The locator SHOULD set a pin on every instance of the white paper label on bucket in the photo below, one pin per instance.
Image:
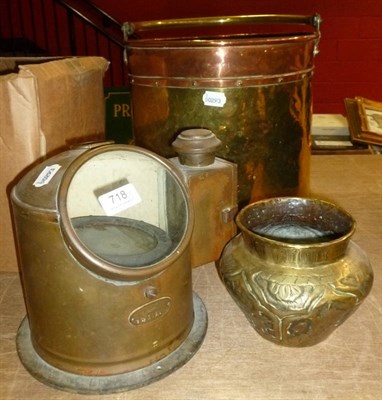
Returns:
(214, 99)
(119, 199)
(46, 175)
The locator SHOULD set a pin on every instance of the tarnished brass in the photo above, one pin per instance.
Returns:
(294, 271)
(212, 183)
(105, 294)
(252, 90)
(196, 147)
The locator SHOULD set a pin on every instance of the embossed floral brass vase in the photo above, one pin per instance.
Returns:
(293, 269)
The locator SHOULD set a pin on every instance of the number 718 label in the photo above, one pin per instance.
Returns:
(119, 199)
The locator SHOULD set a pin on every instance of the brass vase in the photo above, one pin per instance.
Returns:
(293, 269)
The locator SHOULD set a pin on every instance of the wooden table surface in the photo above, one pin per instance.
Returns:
(234, 362)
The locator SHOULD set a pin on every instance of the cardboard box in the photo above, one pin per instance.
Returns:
(45, 108)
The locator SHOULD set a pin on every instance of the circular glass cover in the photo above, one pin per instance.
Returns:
(123, 241)
(126, 207)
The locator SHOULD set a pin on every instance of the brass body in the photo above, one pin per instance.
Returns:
(265, 122)
(212, 183)
(294, 271)
(88, 316)
(213, 190)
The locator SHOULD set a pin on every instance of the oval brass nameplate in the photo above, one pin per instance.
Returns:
(150, 311)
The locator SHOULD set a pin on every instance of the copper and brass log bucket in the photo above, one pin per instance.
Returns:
(105, 266)
(252, 90)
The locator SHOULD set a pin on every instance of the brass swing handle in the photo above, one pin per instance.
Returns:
(132, 28)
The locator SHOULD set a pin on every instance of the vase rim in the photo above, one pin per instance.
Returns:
(274, 204)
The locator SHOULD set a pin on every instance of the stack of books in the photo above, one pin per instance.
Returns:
(330, 135)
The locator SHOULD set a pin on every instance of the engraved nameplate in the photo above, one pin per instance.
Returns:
(150, 312)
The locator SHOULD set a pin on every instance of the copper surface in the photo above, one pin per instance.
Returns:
(265, 123)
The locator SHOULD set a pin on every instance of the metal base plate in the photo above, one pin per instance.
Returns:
(70, 382)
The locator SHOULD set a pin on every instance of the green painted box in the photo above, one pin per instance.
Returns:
(118, 126)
